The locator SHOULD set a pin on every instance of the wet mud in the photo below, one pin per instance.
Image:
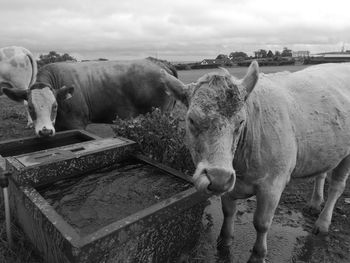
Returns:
(290, 237)
(283, 241)
(97, 199)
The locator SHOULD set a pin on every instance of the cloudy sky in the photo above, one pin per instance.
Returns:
(177, 30)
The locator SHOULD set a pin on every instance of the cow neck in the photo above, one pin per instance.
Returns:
(55, 81)
(244, 149)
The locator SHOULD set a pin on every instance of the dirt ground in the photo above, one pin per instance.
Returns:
(334, 247)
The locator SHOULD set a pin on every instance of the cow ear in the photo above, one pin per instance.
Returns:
(174, 87)
(250, 79)
(64, 93)
(16, 94)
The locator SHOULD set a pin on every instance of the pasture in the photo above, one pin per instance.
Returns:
(290, 238)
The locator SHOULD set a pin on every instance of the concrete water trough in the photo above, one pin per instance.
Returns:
(100, 201)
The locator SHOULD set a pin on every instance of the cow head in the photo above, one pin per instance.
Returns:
(42, 102)
(214, 122)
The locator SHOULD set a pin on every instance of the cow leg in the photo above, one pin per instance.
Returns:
(267, 197)
(336, 187)
(229, 209)
(30, 121)
(317, 194)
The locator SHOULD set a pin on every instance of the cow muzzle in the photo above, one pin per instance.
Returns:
(45, 132)
(215, 180)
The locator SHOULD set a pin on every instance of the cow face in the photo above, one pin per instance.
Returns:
(42, 103)
(214, 122)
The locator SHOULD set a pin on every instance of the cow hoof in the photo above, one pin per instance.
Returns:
(321, 227)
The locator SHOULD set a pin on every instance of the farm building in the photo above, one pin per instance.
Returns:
(218, 62)
(300, 54)
(330, 57)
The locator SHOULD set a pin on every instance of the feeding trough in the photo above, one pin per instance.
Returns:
(100, 201)
(34, 144)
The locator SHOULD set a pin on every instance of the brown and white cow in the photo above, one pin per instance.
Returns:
(70, 95)
(251, 136)
(18, 70)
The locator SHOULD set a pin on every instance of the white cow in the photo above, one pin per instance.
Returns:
(18, 69)
(251, 136)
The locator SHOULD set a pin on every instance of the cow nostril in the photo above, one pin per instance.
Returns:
(51, 132)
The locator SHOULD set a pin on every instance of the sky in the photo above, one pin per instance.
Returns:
(176, 30)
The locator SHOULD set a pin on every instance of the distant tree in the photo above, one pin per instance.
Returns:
(238, 55)
(260, 53)
(277, 53)
(263, 53)
(222, 56)
(52, 57)
(269, 54)
(286, 52)
(102, 59)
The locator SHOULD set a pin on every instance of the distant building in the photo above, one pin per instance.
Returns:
(330, 57)
(208, 62)
(219, 62)
(300, 54)
(333, 55)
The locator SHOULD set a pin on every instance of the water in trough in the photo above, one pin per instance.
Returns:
(101, 197)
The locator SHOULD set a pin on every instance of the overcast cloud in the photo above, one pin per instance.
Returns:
(176, 30)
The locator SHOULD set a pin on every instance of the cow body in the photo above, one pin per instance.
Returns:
(18, 69)
(102, 91)
(284, 125)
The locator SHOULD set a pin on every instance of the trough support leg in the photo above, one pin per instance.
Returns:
(336, 187)
(267, 197)
(317, 194)
(229, 209)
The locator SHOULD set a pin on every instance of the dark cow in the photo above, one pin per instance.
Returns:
(268, 129)
(70, 95)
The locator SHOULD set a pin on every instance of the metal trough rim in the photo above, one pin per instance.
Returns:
(83, 132)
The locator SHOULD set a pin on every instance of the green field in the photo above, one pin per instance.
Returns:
(188, 76)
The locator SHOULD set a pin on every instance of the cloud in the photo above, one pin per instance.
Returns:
(172, 29)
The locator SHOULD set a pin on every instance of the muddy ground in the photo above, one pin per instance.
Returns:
(290, 239)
